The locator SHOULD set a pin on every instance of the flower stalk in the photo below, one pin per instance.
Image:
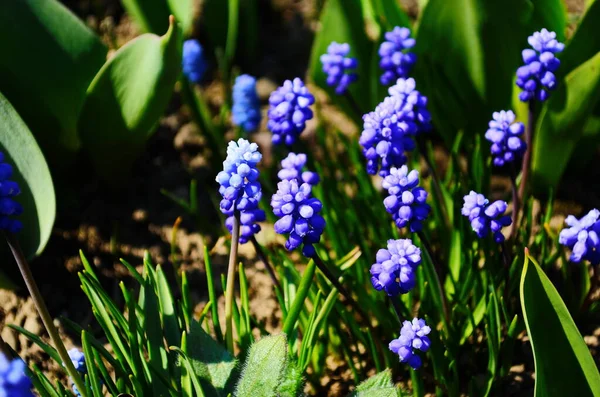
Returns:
(229, 293)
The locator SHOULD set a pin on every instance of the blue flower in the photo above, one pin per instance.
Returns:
(486, 217)
(240, 188)
(582, 237)
(246, 105)
(504, 134)
(406, 201)
(413, 336)
(193, 63)
(78, 360)
(8, 206)
(291, 168)
(396, 62)
(299, 215)
(289, 110)
(396, 267)
(536, 77)
(13, 379)
(338, 67)
(413, 110)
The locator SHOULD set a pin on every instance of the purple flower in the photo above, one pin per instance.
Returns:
(582, 237)
(299, 215)
(396, 266)
(485, 216)
(246, 105)
(13, 379)
(291, 168)
(536, 77)
(406, 201)
(8, 206)
(413, 336)
(193, 63)
(289, 110)
(338, 67)
(396, 62)
(504, 134)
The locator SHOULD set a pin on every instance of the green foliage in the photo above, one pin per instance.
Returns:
(152, 16)
(563, 363)
(379, 385)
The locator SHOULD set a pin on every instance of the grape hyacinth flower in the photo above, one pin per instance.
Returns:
(246, 105)
(78, 360)
(413, 113)
(193, 63)
(486, 217)
(413, 336)
(337, 66)
(504, 133)
(13, 379)
(582, 237)
(395, 269)
(8, 206)
(396, 62)
(537, 77)
(240, 187)
(291, 168)
(289, 110)
(407, 202)
(299, 215)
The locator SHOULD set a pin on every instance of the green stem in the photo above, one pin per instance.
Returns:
(229, 293)
(40, 304)
(527, 157)
(261, 255)
(438, 270)
(515, 198)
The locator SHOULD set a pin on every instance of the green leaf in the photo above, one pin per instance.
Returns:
(561, 122)
(32, 174)
(390, 14)
(292, 381)
(263, 368)
(563, 363)
(153, 15)
(167, 309)
(379, 385)
(585, 42)
(126, 99)
(301, 294)
(50, 58)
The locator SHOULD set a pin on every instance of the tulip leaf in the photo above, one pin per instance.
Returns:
(49, 59)
(31, 173)
(563, 363)
(126, 100)
(152, 16)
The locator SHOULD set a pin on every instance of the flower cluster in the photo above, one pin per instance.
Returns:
(299, 215)
(8, 206)
(582, 237)
(406, 201)
(240, 187)
(394, 271)
(78, 360)
(396, 62)
(485, 216)
(13, 380)
(338, 67)
(289, 110)
(193, 63)
(536, 77)
(246, 105)
(413, 113)
(291, 168)
(413, 336)
(504, 134)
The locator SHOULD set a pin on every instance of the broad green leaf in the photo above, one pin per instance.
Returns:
(126, 99)
(32, 174)
(152, 16)
(49, 59)
(563, 363)
(379, 385)
(263, 368)
(390, 14)
(561, 122)
(584, 44)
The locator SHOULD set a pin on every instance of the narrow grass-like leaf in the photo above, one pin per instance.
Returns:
(167, 309)
(298, 304)
(90, 365)
(189, 369)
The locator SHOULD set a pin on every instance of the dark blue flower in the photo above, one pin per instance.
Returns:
(13, 379)
(396, 267)
(537, 77)
(299, 215)
(396, 62)
(486, 217)
(289, 110)
(338, 67)
(413, 336)
(246, 105)
(8, 206)
(193, 63)
(582, 237)
(291, 168)
(504, 134)
(406, 201)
